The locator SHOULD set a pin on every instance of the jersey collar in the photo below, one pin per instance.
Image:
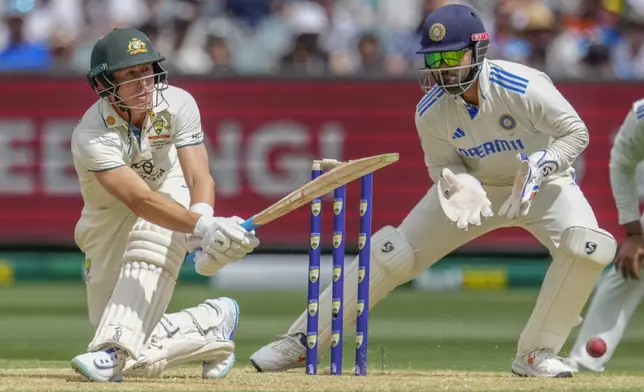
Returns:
(484, 83)
(111, 118)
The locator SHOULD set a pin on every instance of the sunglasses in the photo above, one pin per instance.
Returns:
(451, 58)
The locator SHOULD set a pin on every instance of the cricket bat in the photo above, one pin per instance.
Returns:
(327, 182)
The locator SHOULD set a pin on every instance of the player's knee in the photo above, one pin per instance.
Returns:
(392, 252)
(595, 245)
(156, 245)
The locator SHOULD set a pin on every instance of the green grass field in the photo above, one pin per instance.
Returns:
(429, 341)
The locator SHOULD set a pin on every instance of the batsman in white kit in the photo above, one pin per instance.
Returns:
(148, 201)
(620, 290)
(499, 142)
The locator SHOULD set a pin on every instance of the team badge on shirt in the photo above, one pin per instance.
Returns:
(507, 122)
(160, 134)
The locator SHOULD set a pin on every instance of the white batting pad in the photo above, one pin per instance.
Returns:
(138, 302)
(392, 262)
(180, 338)
(156, 245)
(577, 264)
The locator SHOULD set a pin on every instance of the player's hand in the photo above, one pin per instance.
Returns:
(630, 257)
(526, 185)
(194, 240)
(463, 199)
(208, 265)
(224, 238)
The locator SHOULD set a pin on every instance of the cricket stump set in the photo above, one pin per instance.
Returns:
(364, 241)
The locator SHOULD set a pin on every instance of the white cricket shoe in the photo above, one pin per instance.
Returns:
(581, 365)
(183, 338)
(101, 366)
(219, 369)
(541, 363)
(289, 352)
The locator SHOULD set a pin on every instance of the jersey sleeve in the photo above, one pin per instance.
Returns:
(550, 113)
(627, 152)
(188, 124)
(439, 154)
(98, 152)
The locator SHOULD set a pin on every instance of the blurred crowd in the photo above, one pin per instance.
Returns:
(569, 39)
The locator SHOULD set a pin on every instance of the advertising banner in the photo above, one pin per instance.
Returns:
(262, 136)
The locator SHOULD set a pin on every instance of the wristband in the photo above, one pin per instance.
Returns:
(203, 209)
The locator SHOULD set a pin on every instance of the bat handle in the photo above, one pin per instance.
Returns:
(250, 225)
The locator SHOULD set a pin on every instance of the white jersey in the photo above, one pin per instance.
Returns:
(103, 141)
(626, 154)
(520, 110)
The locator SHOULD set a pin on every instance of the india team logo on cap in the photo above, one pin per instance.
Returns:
(437, 32)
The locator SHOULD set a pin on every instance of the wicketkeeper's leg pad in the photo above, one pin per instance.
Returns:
(143, 291)
(582, 255)
(392, 262)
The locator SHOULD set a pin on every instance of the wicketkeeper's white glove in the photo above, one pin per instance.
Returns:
(463, 199)
(527, 182)
(223, 241)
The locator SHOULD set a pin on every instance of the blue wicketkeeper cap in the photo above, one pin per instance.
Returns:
(451, 27)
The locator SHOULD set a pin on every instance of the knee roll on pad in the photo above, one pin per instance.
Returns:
(156, 245)
(391, 251)
(593, 245)
(577, 264)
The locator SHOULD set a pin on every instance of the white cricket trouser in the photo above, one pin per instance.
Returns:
(612, 307)
(560, 204)
(103, 237)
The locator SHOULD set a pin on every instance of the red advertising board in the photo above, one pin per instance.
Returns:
(262, 136)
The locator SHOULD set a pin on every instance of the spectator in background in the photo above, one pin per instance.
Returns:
(566, 38)
(372, 61)
(596, 64)
(539, 31)
(19, 54)
(590, 23)
(627, 56)
(308, 21)
(306, 56)
(62, 50)
(250, 12)
(219, 52)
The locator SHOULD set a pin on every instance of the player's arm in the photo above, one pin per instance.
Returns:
(439, 154)
(193, 157)
(627, 152)
(196, 171)
(550, 113)
(102, 155)
(125, 185)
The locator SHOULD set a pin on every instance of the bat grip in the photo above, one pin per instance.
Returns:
(250, 225)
